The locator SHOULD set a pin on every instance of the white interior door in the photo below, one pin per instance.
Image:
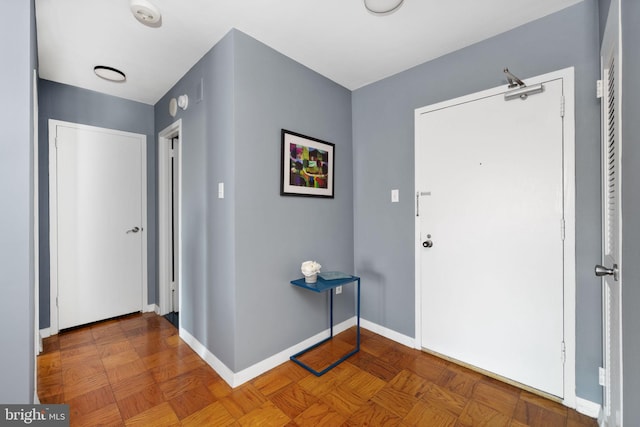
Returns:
(489, 173)
(175, 225)
(612, 221)
(98, 198)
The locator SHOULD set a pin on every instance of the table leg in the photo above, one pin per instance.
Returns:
(295, 359)
(331, 310)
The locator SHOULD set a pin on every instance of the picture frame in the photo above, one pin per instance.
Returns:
(307, 167)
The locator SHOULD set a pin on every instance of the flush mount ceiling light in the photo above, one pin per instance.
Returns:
(381, 7)
(109, 73)
(146, 12)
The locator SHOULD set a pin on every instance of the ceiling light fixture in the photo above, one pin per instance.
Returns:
(109, 73)
(382, 7)
(146, 13)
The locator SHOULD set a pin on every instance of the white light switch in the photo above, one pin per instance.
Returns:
(395, 196)
(221, 190)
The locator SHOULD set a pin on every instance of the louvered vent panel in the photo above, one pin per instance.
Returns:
(612, 161)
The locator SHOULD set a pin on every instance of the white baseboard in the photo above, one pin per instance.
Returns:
(235, 379)
(152, 308)
(388, 333)
(279, 358)
(42, 334)
(220, 368)
(587, 407)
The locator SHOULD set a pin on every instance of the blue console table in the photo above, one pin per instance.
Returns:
(322, 286)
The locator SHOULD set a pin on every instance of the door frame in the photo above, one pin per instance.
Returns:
(53, 213)
(38, 346)
(611, 44)
(165, 216)
(569, 184)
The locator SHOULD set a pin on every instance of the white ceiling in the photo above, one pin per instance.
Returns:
(337, 38)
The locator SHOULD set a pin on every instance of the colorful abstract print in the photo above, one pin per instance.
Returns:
(309, 166)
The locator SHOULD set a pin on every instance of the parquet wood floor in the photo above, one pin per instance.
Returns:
(136, 371)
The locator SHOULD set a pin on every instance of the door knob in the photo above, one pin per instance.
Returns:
(133, 230)
(427, 244)
(604, 271)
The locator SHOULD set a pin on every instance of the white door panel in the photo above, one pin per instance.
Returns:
(492, 284)
(99, 204)
(611, 219)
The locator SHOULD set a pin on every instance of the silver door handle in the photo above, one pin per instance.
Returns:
(604, 271)
(427, 244)
(133, 230)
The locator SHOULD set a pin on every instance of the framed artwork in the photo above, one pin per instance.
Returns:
(307, 166)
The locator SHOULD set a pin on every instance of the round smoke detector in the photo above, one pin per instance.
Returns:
(382, 7)
(146, 12)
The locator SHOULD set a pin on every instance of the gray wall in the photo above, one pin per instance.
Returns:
(72, 104)
(240, 252)
(208, 257)
(603, 11)
(17, 42)
(275, 233)
(630, 209)
(383, 141)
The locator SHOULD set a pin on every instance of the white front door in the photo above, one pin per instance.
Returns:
(98, 220)
(611, 220)
(489, 176)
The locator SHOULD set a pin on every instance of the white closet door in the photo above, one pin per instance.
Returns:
(612, 219)
(99, 196)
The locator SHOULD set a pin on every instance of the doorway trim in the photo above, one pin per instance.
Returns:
(569, 185)
(37, 345)
(53, 214)
(165, 216)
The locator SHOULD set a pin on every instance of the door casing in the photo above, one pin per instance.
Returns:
(53, 215)
(165, 216)
(567, 75)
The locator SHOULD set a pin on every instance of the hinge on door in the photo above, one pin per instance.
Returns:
(172, 153)
(562, 229)
(562, 106)
(563, 349)
(599, 89)
(602, 376)
(57, 302)
(55, 142)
